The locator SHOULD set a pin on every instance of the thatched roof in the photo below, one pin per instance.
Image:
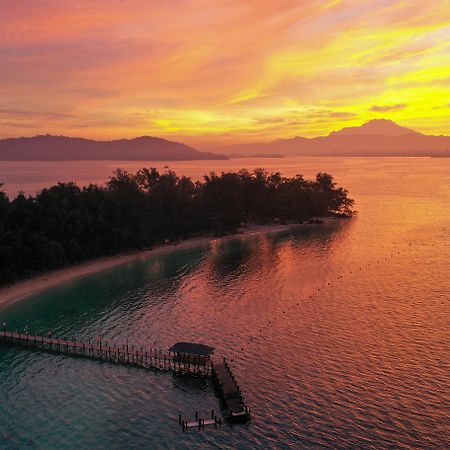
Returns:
(192, 348)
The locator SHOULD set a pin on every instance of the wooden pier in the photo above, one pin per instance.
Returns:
(125, 354)
(234, 407)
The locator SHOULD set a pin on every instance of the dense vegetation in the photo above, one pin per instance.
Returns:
(65, 224)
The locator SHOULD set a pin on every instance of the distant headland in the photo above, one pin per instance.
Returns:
(63, 148)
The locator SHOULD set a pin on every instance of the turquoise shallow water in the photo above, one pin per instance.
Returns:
(337, 334)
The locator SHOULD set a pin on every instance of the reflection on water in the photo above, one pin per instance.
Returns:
(337, 334)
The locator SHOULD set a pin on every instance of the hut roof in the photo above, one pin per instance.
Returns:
(192, 348)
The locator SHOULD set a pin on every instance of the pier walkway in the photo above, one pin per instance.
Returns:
(125, 354)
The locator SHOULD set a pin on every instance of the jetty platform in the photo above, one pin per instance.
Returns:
(234, 408)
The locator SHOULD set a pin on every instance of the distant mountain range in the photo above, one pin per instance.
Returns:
(60, 148)
(378, 137)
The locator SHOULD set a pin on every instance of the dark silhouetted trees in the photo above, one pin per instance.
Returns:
(65, 224)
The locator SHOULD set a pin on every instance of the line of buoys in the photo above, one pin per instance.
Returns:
(339, 277)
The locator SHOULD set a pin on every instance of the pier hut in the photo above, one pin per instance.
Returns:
(191, 353)
(192, 348)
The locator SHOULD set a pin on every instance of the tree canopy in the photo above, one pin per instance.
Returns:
(65, 224)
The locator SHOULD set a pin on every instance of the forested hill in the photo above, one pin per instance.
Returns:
(61, 148)
(66, 224)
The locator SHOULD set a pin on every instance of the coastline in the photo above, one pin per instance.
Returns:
(46, 280)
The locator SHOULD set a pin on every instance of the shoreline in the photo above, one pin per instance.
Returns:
(47, 280)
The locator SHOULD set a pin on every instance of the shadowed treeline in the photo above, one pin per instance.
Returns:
(66, 224)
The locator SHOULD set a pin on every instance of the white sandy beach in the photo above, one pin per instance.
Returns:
(27, 287)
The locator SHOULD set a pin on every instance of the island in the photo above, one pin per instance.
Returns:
(66, 224)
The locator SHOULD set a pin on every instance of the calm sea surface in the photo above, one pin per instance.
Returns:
(338, 335)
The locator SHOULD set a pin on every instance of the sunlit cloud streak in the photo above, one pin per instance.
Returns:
(386, 108)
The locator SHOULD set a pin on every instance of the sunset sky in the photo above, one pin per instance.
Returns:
(213, 72)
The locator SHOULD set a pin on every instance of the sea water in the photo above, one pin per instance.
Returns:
(337, 333)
